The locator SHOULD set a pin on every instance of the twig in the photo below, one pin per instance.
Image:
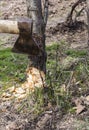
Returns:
(78, 13)
(69, 83)
(46, 6)
(87, 12)
(69, 20)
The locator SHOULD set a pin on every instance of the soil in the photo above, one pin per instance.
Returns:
(51, 119)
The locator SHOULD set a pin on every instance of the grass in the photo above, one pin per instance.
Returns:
(57, 76)
(12, 66)
(62, 84)
(76, 53)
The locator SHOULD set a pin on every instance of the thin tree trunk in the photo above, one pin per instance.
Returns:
(37, 64)
(69, 19)
(87, 10)
(35, 12)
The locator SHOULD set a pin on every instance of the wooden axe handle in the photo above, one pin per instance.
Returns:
(12, 27)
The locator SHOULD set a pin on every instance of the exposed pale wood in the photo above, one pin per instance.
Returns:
(7, 26)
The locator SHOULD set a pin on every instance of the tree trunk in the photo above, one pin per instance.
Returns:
(87, 10)
(34, 10)
(69, 20)
(37, 64)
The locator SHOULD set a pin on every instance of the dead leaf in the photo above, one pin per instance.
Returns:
(79, 109)
(87, 98)
(77, 101)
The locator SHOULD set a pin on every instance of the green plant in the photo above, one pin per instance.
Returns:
(61, 83)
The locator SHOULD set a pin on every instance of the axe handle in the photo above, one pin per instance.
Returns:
(7, 26)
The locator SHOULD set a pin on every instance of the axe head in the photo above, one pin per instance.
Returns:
(25, 44)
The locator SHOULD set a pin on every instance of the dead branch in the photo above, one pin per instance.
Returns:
(87, 12)
(69, 20)
(46, 6)
(78, 14)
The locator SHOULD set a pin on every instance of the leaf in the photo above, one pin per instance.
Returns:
(87, 98)
(80, 109)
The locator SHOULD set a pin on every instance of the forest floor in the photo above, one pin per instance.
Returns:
(71, 111)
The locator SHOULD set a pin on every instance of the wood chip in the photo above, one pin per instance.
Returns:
(19, 90)
(22, 96)
(6, 95)
(12, 89)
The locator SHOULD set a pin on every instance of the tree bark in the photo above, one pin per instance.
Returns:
(34, 10)
(87, 10)
(37, 64)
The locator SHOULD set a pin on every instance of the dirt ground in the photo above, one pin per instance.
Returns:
(58, 11)
(51, 119)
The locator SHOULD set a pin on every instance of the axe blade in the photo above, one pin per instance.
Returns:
(26, 46)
